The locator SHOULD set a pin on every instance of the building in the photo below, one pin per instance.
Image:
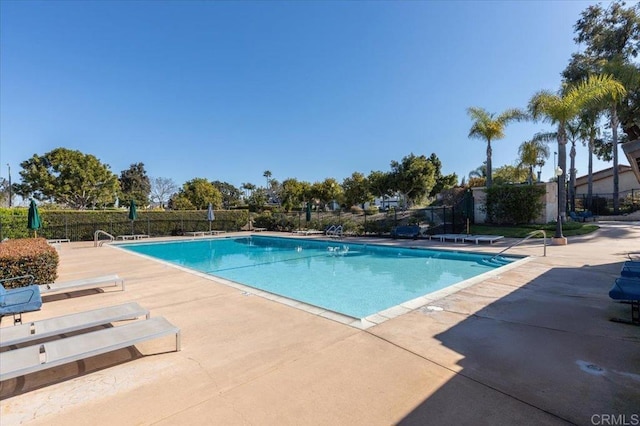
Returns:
(603, 182)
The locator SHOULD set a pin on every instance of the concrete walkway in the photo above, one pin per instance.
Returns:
(533, 345)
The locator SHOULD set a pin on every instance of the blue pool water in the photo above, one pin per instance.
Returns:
(353, 279)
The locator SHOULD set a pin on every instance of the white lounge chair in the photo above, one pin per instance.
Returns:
(477, 238)
(85, 283)
(453, 237)
(30, 359)
(35, 330)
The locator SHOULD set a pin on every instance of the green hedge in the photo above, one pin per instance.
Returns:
(81, 225)
(28, 256)
(514, 204)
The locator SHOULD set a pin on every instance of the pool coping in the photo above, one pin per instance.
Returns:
(369, 321)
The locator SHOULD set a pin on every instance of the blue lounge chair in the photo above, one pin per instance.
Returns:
(627, 289)
(630, 269)
(16, 301)
(411, 231)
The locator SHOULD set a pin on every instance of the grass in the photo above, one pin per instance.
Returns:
(569, 229)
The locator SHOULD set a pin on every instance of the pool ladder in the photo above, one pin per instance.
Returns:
(529, 235)
(97, 234)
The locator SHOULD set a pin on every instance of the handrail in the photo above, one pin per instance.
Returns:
(529, 235)
(98, 232)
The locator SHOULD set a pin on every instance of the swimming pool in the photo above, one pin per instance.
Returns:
(356, 280)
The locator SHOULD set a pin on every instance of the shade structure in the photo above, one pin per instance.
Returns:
(33, 219)
(308, 213)
(133, 213)
(210, 216)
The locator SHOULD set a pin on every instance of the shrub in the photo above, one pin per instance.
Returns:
(514, 204)
(28, 256)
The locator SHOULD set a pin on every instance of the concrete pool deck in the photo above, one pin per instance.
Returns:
(532, 345)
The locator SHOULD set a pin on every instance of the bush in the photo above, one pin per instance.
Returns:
(598, 206)
(28, 256)
(514, 204)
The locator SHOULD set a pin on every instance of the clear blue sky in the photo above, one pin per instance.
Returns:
(305, 89)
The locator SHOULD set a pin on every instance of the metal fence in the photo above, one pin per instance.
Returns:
(602, 203)
(16, 227)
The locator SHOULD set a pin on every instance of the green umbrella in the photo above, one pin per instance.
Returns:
(308, 215)
(133, 213)
(34, 221)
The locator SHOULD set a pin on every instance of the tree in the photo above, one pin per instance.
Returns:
(68, 177)
(248, 188)
(532, 154)
(611, 38)
(162, 189)
(356, 190)
(197, 194)
(267, 174)
(292, 193)
(488, 127)
(564, 106)
(230, 194)
(380, 184)
(326, 191)
(413, 177)
(135, 185)
(4, 192)
(442, 181)
(510, 174)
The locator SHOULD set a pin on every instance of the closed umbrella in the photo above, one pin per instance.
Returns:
(133, 213)
(33, 219)
(210, 216)
(308, 215)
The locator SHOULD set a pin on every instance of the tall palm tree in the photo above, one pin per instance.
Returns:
(533, 153)
(267, 174)
(488, 127)
(574, 134)
(562, 107)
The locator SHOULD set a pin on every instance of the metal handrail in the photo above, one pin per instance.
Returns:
(529, 235)
(97, 233)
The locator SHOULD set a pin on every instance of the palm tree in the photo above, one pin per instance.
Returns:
(488, 127)
(267, 174)
(590, 129)
(574, 133)
(533, 153)
(561, 108)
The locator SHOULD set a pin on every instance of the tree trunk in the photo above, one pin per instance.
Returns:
(590, 173)
(572, 178)
(614, 136)
(489, 180)
(562, 179)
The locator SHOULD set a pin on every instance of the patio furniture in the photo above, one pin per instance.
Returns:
(30, 359)
(485, 238)
(56, 326)
(81, 284)
(627, 289)
(630, 268)
(19, 300)
(410, 231)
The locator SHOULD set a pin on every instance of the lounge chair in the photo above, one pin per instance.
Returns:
(630, 268)
(445, 237)
(30, 359)
(35, 330)
(19, 300)
(82, 284)
(627, 289)
(410, 231)
(478, 238)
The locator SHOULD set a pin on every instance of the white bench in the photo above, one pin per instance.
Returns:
(35, 330)
(30, 359)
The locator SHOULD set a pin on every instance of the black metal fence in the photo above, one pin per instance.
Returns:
(16, 227)
(602, 203)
